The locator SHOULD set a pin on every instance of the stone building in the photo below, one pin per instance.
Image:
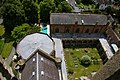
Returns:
(41, 66)
(78, 28)
(89, 30)
(78, 23)
(41, 63)
(110, 71)
(84, 30)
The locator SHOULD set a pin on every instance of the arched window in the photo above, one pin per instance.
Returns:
(87, 31)
(67, 30)
(77, 30)
(57, 30)
(96, 31)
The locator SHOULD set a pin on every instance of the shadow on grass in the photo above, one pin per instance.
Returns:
(5, 72)
(7, 36)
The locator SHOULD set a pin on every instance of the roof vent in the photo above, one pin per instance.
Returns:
(42, 73)
(33, 59)
(33, 73)
(82, 21)
(42, 59)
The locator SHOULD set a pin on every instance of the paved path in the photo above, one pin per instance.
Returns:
(1, 77)
(8, 61)
(60, 53)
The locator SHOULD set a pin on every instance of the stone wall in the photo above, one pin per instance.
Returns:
(74, 28)
(113, 37)
(109, 70)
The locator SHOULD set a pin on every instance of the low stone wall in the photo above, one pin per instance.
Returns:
(109, 69)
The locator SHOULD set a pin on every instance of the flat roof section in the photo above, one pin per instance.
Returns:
(60, 53)
(106, 47)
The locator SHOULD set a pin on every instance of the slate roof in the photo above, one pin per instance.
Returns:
(40, 66)
(71, 18)
(33, 42)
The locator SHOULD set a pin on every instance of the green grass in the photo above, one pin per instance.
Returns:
(81, 70)
(1, 45)
(118, 28)
(7, 49)
(2, 30)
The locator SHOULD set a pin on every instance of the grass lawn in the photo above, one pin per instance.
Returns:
(2, 30)
(76, 56)
(118, 28)
(1, 45)
(7, 49)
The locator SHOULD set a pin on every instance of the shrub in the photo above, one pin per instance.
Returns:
(85, 60)
(70, 71)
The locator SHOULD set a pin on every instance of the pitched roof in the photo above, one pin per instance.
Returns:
(71, 18)
(40, 66)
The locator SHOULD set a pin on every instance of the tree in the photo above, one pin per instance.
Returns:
(87, 2)
(57, 2)
(64, 7)
(39, 1)
(12, 13)
(85, 60)
(46, 7)
(31, 11)
(20, 31)
(1, 2)
(110, 10)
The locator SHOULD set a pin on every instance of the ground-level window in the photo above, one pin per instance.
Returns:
(57, 30)
(96, 31)
(77, 30)
(67, 30)
(87, 31)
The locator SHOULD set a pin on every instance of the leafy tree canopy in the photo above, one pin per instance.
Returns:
(64, 7)
(58, 2)
(31, 11)
(20, 31)
(85, 60)
(87, 2)
(12, 13)
(46, 7)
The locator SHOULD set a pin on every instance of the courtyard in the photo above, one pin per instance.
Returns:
(73, 58)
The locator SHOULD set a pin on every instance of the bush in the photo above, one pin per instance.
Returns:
(70, 71)
(85, 60)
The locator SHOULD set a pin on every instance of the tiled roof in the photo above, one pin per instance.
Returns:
(72, 18)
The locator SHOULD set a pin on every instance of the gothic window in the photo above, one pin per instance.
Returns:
(67, 30)
(77, 30)
(96, 31)
(87, 31)
(57, 30)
